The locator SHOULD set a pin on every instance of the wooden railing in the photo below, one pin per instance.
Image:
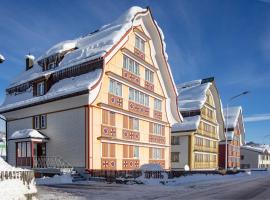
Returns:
(205, 149)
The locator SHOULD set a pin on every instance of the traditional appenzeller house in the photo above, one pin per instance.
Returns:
(106, 100)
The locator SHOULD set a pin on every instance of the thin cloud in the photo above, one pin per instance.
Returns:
(257, 118)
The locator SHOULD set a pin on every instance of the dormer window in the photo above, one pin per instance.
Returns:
(51, 65)
(40, 88)
(139, 43)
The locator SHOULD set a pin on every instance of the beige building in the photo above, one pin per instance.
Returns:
(195, 141)
(103, 101)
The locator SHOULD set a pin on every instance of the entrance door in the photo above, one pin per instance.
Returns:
(39, 157)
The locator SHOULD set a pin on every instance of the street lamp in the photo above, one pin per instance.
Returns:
(226, 144)
(4, 119)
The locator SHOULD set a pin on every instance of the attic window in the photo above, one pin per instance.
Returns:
(51, 65)
(40, 88)
(139, 43)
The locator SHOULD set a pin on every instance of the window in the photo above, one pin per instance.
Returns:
(51, 65)
(135, 124)
(108, 117)
(149, 76)
(139, 43)
(115, 88)
(198, 141)
(40, 122)
(157, 104)
(175, 156)
(138, 97)
(136, 152)
(175, 140)
(131, 65)
(157, 154)
(108, 150)
(23, 149)
(157, 129)
(40, 89)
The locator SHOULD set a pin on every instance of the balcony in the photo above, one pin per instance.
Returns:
(108, 131)
(205, 149)
(130, 135)
(205, 165)
(131, 77)
(138, 109)
(115, 101)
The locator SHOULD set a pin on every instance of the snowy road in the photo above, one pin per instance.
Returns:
(235, 187)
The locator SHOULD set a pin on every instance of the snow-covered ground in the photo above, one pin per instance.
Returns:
(190, 187)
(63, 179)
(14, 188)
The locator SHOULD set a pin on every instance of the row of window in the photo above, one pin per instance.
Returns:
(130, 151)
(234, 159)
(132, 123)
(208, 112)
(134, 67)
(205, 142)
(205, 158)
(115, 88)
(207, 127)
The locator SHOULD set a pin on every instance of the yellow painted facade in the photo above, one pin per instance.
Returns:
(113, 69)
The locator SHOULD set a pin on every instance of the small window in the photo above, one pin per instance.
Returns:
(156, 153)
(41, 88)
(242, 157)
(131, 65)
(36, 122)
(135, 124)
(175, 140)
(157, 129)
(139, 43)
(51, 65)
(115, 88)
(43, 121)
(175, 156)
(149, 76)
(138, 97)
(136, 153)
(157, 104)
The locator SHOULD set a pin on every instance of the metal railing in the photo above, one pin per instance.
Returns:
(55, 162)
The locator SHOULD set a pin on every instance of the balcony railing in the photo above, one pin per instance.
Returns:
(205, 165)
(208, 134)
(53, 162)
(205, 149)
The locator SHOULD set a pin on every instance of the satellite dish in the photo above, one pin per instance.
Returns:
(186, 168)
(2, 58)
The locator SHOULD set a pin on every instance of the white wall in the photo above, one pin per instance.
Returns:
(250, 157)
(183, 149)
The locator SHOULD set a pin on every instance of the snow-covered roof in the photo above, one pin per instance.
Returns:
(2, 58)
(27, 133)
(258, 148)
(189, 123)
(89, 47)
(192, 95)
(232, 115)
(30, 56)
(61, 88)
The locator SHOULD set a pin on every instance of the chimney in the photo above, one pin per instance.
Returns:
(29, 59)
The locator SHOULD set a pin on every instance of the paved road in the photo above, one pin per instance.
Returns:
(254, 187)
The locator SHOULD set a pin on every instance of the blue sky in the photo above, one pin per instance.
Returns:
(228, 39)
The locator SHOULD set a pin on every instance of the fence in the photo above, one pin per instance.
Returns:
(25, 176)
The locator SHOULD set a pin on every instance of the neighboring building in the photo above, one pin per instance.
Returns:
(195, 141)
(255, 156)
(103, 101)
(235, 138)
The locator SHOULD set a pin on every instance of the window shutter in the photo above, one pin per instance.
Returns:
(104, 150)
(112, 150)
(112, 118)
(162, 153)
(125, 122)
(131, 123)
(125, 151)
(105, 116)
(131, 149)
(163, 130)
(150, 153)
(150, 127)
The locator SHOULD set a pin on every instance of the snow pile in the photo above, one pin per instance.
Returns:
(232, 115)
(192, 95)
(30, 57)
(61, 88)
(189, 123)
(63, 179)
(151, 167)
(14, 188)
(27, 133)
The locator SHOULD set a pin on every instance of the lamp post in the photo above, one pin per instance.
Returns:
(226, 138)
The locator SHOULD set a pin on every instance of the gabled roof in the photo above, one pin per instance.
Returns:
(27, 134)
(257, 148)
(232, 115)
(192, 95)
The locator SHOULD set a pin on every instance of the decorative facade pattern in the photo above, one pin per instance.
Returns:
(131, 77)
(139, 53)
(157, 115)
(138, 109)
(108, 131)
(157, 139)
(115, 101)
(131, 135)
(149, 86)
(108, 164)
(130, 164)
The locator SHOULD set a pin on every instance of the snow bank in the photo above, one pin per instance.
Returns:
(63, 179)
(151, 167)
(27, 133)
(189, 123)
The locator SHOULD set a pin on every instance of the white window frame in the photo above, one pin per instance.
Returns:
(136, 152)
(131, 65)
(40, 88)
(139, 43)
(157, 154)
(157, 104)
(149, 75)
(115, 88)
(138, 97)
(43, 121)
(157, 129)
(36, 122)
